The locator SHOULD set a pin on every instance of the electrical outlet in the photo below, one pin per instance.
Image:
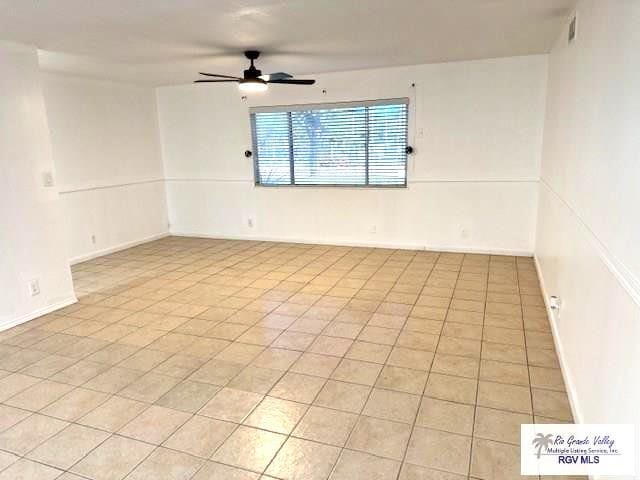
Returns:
(554, 304)
(47, 179)
(34, 287)
(373, 229)
(250, 222)
(464, 233)
(93, 239)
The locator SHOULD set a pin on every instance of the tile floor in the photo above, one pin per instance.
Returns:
(213, 359)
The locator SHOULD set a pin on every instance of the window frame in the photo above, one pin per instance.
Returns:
(326, 106)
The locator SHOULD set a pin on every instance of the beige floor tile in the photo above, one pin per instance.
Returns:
(12, 384)
(68, 446)
(462, 330)
(368, 352)
(392, 405)
(29, 433)
(462, 316)
(113, 380)
(276, 415)
(455, 365)
(249, 448)
(499, 425)
(149, 388)
(217, 372)
(231, 405)
(459, 346)
(316, 365)
(154, 425)
(293, 340)
(502, 321)
(300, 459)
(548, 378)
(75, 404)
(495, 461)
(256, 379)
(455, 389)
(27, 470)
(503, 353)
(9, 416)
(240, 353)
(447, 416)
(415, 472)
(418, 340)
(326, 426)
(259, 336)
(325, 345)
(218, 471)
(503, 335)
(166, 464)
(188, 396)
(423, 325)
(552, 404)
(79, 373)
(384, 336)
(355, 371)
(113, 459)
(353, 465)
(144, 360)
(180, 366)
(342, 330)
(439, 450)
(380, 437)
(297, 387)
(409, 358)
(113, 414)
(503, 372)
(502, 396)
(48, 366)
(343, 396)
(112, 354)
(200, 436)
(7, 459)
(39, 395)
(276, 359)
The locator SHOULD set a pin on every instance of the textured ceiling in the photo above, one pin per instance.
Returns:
(167, 41)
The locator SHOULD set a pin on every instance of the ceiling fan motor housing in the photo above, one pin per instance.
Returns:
(252, 72)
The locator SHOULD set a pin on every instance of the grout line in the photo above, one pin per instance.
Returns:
(475, 406)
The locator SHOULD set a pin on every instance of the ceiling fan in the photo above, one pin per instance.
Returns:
(254, 80)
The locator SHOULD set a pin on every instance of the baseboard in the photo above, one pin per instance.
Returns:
(568, 383)
(370, 244)
(38, 313)
(116, 248)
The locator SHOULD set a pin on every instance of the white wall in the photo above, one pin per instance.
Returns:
(107, 156)
(476, 166)
(32, 242)
(588, 231)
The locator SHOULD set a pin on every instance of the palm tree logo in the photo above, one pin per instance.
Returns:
(542, 441)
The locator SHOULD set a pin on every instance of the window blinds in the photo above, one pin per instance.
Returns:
(348, 144)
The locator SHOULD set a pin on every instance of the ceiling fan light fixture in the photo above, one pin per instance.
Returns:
(253, 85)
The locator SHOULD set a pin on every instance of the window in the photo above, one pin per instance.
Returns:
(348, 144)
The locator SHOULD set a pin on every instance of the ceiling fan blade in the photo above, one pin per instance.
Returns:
(276, 76)
(219, 76)
(213, 81)
(293, 81)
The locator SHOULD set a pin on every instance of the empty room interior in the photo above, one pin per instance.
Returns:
(319, 240)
